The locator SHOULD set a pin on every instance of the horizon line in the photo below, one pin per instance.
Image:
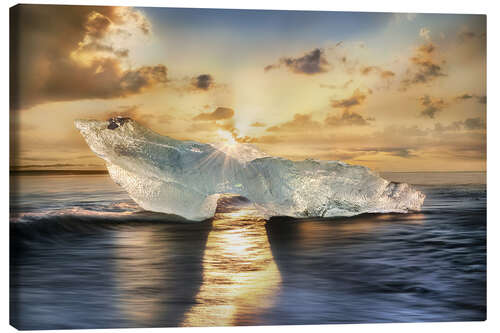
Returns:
(106, 171)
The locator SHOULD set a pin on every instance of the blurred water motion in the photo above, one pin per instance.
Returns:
(83, 255)
(150, 274)
(235, 278)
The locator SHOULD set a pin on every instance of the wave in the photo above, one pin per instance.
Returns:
(63, 226)
(77, 214)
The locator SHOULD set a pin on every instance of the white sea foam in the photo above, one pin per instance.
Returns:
(186, 178)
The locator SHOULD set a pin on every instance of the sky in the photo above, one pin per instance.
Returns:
(390, 91)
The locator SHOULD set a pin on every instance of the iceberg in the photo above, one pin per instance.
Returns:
(187, 178)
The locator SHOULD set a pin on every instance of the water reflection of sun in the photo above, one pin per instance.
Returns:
(240, 277)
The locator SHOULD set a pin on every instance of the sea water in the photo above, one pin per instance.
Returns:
(84, 255)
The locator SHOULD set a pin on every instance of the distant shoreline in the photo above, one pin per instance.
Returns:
(58, 172)
(431, 171)
(105, 172)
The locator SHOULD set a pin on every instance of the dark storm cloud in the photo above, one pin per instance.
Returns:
(305, 122)
(463, 35)
(424, 67)
(42, 41)
(269, 67)
(122, 53)
(219, 114)
(103, 79)
(431, 105)
(404, 152)
(347, 118)
(470, 124)
(133, 81)
(399, 152)
(481, 99)
(474, 123)
(313, 62)
(464, 97)
(454, 126)
(298, 123)
(383, 73)
(466, 34)
(203, 82)
(357, 98)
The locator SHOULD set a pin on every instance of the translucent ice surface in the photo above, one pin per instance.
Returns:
(186, 178)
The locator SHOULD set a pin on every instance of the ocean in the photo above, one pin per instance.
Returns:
(84, 255)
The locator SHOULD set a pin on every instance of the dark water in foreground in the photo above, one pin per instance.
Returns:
(83, 255)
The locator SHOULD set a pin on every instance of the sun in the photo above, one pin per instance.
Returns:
(227, 139)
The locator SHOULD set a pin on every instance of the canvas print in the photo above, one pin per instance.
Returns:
(208, 167)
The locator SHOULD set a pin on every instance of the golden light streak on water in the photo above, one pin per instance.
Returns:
(240, 277)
